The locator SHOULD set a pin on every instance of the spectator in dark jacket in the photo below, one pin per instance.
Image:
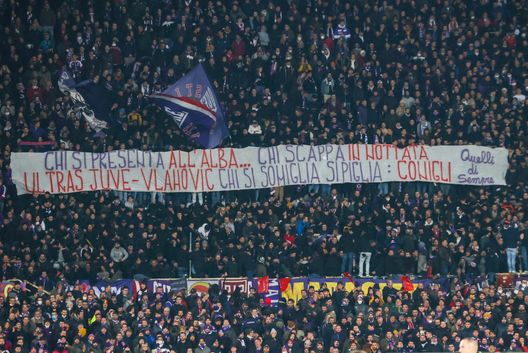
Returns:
(511, 239)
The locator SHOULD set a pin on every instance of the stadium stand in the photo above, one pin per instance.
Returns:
(399, 72)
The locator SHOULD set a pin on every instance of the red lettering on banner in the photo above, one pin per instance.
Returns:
(185, 180)
(147, 183)
(218, 160)
(424, 171)
(435, 175)
(172, 160)
(37, 178)
(423, 153)
(196, 178)
(438, 171)
(167, 185)
(367, 154)
(411, 170)
(26, 187)
(94, 187)
(385, 151)
(400, 174)
(102, 180)
(209, 186)
(181, 180)
(115, 178)
(406, 153)
(189, 164)
(377, 151)
(50, 175)
(35, 182)
(353, 152)
(232, 159)
(410, 153)
(216, 169)
(124, 181)
(176, 180)
(78, 174)
(205, 160)
(60, 178)
(176, 160)
(212, 159)
(69, 182)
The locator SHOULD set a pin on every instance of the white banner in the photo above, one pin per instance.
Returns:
(224, 169)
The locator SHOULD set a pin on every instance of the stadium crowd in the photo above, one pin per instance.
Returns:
(287, 72)
(430, 319)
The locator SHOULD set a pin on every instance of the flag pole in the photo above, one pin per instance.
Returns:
(190, 252)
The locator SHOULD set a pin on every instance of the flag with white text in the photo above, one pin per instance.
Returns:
(193, 105)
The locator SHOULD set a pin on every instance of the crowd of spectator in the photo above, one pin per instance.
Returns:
(430, 319)
(98, 237)
(293, 72)
(287, 72)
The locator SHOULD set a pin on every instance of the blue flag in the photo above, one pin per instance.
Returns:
(193, 105)
(92, 101)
